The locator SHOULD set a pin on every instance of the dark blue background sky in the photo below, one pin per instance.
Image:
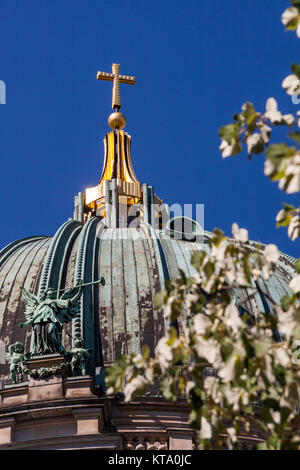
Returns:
(196, 62)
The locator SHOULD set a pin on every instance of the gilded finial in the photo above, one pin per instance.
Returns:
(116, 120)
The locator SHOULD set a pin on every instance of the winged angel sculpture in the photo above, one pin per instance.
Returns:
(47, 317)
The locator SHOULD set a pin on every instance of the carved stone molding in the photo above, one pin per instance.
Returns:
(144, 442)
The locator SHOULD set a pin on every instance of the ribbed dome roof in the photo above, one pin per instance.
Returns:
(119, 317)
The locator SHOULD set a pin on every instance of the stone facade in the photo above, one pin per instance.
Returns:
(69, 413)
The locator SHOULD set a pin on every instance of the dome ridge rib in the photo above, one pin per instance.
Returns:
(9, 249)
(48, 266)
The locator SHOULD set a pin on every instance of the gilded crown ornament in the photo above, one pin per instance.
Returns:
(116, 120)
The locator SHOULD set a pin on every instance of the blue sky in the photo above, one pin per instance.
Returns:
(196, 62)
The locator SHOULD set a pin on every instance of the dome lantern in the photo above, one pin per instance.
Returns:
(119, 197)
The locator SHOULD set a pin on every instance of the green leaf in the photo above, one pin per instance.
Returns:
(288, 207)
(275, 153)
(296, 3)
(286, 301)
(198, 258)
(297, 265)
(285, 413)
(228, 132)
(295, 136)
(209, 269)
(172, 333)
(251, 122)
(248, 110)
(292, 24)
(285, 222)
(261, 348)
(218, 236)
(159, 299)
(271, 403)
(145, 352)
(296, 70)
(246, 267)
(226, 349)
(262, 446)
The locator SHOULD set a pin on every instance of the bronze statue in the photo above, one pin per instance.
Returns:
(16, 359)
(47, 316)
(80, 355)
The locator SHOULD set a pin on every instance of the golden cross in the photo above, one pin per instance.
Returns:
(117, 79)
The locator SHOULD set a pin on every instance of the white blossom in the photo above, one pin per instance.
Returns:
(201, 323)
(280, 217)
(294, 228)
(271, 253)
(232, 434)
(149, 374)
(138, 360)
(272, 112)
(291, 84)
(269, 369)
(239, 234)
(269, 257)
(163, 354)
(276, 416)
(209, 383)
(233, 396)
(288, 119)
(291, 176)
(190, 299)
(219, 337)
(241, 278)
(168, 308)
(269, 168)
(209, 283)
(138, 383)
(226, 149)
(209, 349)
(290, 17)
(227, 372)
(255, 141)
(189, 386)
(213, 309)
(205, 431)
(219, 252)
(274, 115)
(289, 170)
(265, 131)
(232, 318)
(282, 357)
(294, 285)
(224, 260)
(286, 321)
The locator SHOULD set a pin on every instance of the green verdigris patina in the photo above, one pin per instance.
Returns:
(16, 359)
(79, 355)
(47, 316)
